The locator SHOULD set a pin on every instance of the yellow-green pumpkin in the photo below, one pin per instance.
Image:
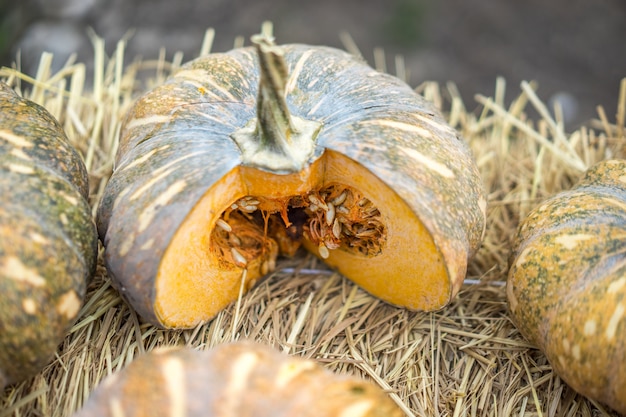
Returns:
(48, 240)
(233, 379)
(243, 156)
(567, 283)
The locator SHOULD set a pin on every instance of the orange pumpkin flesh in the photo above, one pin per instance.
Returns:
(196, 281)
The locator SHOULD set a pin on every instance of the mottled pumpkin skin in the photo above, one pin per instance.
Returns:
(237, 379)
(48, 244)
(567, 283)
(176, 144)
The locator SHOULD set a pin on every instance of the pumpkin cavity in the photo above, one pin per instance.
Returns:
(333, 217)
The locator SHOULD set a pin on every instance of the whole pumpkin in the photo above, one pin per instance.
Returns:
(567, 283)
(48, 240)
(245, 155)
(235, 379)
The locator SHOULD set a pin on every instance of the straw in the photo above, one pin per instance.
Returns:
(466, 360)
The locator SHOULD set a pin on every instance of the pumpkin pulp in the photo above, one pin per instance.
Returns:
(393, 258)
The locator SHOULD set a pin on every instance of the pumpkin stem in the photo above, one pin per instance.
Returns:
(275, 140)
(274, 120)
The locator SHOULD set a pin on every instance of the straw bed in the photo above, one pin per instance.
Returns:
(465, 360)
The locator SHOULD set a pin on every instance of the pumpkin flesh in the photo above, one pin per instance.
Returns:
(194, 280)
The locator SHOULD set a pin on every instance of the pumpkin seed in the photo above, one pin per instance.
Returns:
(337, 201)
(330, 214)
(337, 228)
(221, 223)
(313, 199)
(234, 240)
(239, 259)
(323, 251)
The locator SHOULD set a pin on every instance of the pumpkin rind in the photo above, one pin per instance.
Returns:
(236, 379)
(175, 146)
(49, 242)
(567, 283)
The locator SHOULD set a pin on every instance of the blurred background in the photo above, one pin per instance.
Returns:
(574, 49)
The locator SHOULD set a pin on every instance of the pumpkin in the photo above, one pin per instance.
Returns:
(235, 379)
(567, 283)
(48, 242)
(244, 156)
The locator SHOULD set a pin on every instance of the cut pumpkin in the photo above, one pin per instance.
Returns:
(243, 157)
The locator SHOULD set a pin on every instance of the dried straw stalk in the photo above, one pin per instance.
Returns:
(466, 360)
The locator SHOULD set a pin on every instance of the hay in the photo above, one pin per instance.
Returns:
(466, 360)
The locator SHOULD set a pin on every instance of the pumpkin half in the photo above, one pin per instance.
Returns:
(567, 283)
(48, 240)
(235, 379)
(244, 156)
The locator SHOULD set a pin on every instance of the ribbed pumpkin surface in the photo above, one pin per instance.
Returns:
(567, 283)
(48, 244)
(238, 379)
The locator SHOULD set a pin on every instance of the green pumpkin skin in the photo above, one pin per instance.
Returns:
(48, 244)
(176, 143)
(567, 283)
